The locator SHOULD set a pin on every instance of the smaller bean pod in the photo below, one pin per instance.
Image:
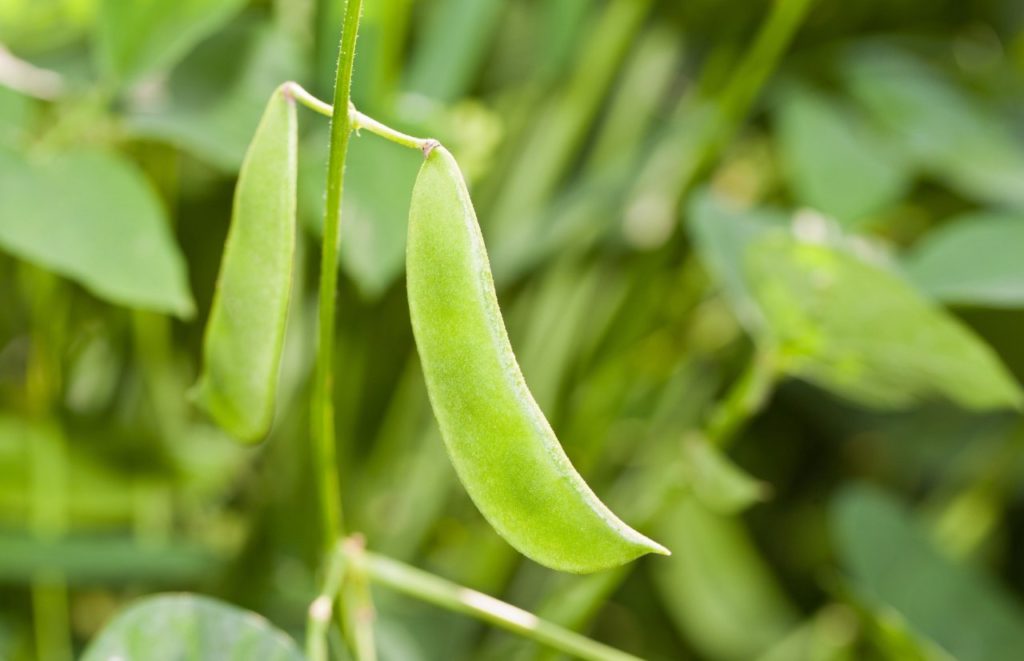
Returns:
(245, 332)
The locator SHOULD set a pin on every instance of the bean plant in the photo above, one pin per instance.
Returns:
(757, 264)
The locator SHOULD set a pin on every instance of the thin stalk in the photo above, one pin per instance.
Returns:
(440, 592)
(322, 428)
(359, 121)
(744, 399)
(358, 601)
(48, 461)
(28, 79)
(321, 609)
(300, 94)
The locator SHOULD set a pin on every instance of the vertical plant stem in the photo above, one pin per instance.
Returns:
(48, 463)
(324, 450)
(322, 608)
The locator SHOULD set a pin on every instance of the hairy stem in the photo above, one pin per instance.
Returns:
(322, 428)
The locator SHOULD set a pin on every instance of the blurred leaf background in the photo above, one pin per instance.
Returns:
(762, 263)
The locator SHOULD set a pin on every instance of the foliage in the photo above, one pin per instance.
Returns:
(752, 257)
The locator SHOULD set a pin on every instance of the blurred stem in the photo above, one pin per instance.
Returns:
(440, 592)
(49, 506)
(48, 463)
(358, 120)
(320, 611)
(744, 399)
(28, 79)
(151, 334)
(358, 602)
(705, 124)
(322, 428)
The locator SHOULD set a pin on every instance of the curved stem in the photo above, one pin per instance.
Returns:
(28, 79)
(361, 121)
(322, 428)
(299, 93)
(440, 592)
(358, 120)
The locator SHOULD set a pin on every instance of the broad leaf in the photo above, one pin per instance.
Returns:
(857, 329)
(190, 627)
(893, 564)
(944, 129)
(141, 36)
(834, 163)
(90, 215)
(977, 259)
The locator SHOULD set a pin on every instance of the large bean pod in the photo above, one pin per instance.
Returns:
(503, 448)
(245, 333)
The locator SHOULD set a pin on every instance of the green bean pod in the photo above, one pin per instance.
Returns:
(501, 445)
(245, 332)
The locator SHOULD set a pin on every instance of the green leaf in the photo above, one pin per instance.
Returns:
(142, 36)
(813, 302)
(717, 588)
(92, 216)
(715, 480)
(975, 259)
(861, 331)
(212, 109)
(893, 564)
(834, 163)
(940, 126)
(190, 627)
